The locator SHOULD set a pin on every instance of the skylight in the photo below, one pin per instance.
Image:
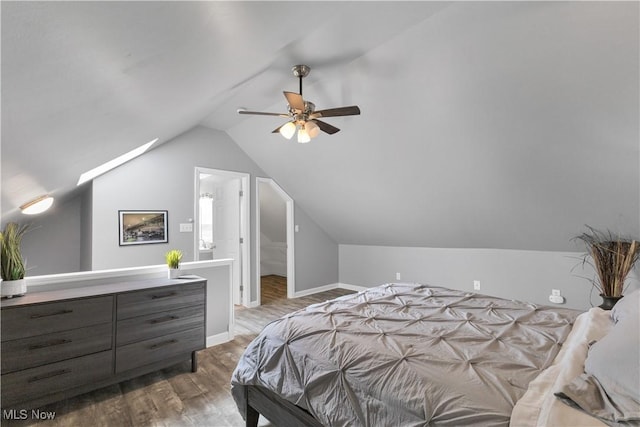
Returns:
(112, 164)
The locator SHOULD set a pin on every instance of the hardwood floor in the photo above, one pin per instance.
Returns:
(177, 397)
(273, 288)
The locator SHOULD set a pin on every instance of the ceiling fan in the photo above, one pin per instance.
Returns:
(302, 114)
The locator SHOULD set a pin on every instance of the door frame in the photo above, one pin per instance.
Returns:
(245, 229)
(291, 265)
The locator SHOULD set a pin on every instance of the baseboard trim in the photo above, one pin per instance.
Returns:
(219, 339)
(315, 290)
(328, 287)
(355, 288)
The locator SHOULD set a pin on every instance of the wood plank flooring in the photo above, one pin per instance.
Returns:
(176, 397)
(272, 288)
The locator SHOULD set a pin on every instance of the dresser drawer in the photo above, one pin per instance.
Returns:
(157, 300)
(158, 324)
(40, 319)
(35, 351)
(149, 351)
(33, 383)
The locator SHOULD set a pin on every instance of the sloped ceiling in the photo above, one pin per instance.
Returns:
(484, 124)
(490, 125)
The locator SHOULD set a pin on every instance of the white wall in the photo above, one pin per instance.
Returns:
(273, 215)
(85, 230)
(514, 274)
(273, 257)
(53, 245)
(316, 254)
(273, 233)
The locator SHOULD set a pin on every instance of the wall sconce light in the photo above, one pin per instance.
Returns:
(37, 205)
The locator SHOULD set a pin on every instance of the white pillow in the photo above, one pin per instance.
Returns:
(627, 306)
(609, 388)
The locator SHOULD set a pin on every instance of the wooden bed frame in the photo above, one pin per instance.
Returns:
(258, 400)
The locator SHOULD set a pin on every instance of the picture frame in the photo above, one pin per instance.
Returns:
(140, 227)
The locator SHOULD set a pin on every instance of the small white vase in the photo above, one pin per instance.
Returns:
(13, 288)
(174, 273)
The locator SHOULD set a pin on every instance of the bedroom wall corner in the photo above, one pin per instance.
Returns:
(53, 244)
(316, 254)
(86, 220)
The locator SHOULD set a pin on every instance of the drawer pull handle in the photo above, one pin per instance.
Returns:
(163, 319)
(48, 344)
(49, 375)
(37, 316)
(167, 295)
(162, 344)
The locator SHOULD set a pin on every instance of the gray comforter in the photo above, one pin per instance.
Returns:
(406, 355)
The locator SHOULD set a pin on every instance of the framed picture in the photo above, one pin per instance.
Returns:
(143, 227)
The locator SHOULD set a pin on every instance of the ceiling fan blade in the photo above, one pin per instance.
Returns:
(326, 127)
(262, 113)
(335, 112)
(295, 100)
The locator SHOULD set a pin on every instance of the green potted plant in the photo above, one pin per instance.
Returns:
(612, 258)
(173, 258)
(12, 264)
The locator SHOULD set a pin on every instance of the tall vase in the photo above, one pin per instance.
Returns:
(609, 301)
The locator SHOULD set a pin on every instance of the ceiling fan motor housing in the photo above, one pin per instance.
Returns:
(301, 116)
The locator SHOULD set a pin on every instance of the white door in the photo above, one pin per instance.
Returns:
(226, 228)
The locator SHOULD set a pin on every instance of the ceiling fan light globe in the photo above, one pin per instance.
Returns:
(303, 136)
(312, 129)
(288, 129)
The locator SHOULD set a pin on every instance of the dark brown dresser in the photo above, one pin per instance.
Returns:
(59, 344)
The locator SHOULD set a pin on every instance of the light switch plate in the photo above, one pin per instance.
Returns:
(186, 228)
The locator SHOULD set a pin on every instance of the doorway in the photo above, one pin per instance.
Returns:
(274, 241)
(222, 224)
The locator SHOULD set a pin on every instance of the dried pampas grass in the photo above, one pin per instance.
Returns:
(612, 258)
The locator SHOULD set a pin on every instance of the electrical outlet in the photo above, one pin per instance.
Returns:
(556, 299)
(555, 292)
(398, 276)
(476, 285)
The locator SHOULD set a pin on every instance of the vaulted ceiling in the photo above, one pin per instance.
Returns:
(484, 124)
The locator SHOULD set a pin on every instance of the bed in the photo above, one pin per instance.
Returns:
(411, 355)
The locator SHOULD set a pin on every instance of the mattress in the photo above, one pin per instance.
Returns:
(406, 354)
